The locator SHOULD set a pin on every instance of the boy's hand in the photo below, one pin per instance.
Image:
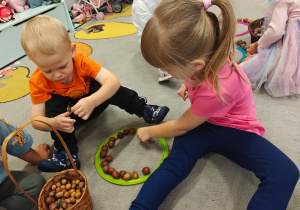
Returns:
(43, 150)
(252, 48)
(63, 123)
(182, 91)
(83, 108)
(143, 134)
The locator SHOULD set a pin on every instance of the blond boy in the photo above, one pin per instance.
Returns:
(69, 87)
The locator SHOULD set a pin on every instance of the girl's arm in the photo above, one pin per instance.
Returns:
(110, 84)
(185, 123)
(276, 28)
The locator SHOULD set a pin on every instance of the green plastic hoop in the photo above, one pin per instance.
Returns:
(132, 181)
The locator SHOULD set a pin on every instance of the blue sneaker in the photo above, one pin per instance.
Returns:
(155, 114)
(58, 162)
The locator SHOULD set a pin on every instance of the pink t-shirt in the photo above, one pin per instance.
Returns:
(238, 111)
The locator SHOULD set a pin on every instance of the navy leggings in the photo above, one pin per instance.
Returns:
(277, 173)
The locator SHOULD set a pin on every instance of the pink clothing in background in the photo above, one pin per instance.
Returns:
(238, 111)
(283, 12)
(276, 66)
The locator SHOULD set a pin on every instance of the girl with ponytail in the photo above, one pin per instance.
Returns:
(185, 39)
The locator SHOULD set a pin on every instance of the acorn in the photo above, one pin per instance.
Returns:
(50, 200)
(127, 176)
(135, 175)
(112, 139)
(105, 169)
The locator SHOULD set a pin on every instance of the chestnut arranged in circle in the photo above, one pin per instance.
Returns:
(106, 159)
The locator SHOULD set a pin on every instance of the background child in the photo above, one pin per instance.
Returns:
(141, 12)
(20, 146)
(69, 87)
(190, 45)
(277, 63)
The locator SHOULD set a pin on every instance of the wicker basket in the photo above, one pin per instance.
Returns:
(255, 24)
(85, 201)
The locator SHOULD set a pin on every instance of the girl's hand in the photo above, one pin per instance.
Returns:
(63, 122)
(143, 134)
(182, 91)
(252, 48)
(83, 108)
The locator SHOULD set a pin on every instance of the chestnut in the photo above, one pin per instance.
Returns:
(146, 170)
(131, 131)
(120, 135)
(103, 154)
(109, 158)
(110, 170)
(105, 148)
(104, 163)
(125, 132)
(111, 144)
(115, 174)
(121, 173)
(105, 169)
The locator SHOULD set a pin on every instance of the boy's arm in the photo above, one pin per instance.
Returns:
(185, 123)
(34, 156)
(110, 84)
(60, 122)
(38, 111)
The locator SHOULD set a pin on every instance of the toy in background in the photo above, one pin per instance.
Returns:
(17, 5)
(78, 14)
(48, 2)
(81, 13)
(35, 3)
(6, 14)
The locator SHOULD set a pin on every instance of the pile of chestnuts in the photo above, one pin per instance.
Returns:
(106, 159)
(64, 194)
(246, 20)
(243, 45)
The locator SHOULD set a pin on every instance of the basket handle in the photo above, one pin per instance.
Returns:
(4, 154)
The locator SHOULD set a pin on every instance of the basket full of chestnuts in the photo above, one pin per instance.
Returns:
(67, 189)
(256, 29)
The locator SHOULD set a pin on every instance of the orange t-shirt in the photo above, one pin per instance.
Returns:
(41, 88)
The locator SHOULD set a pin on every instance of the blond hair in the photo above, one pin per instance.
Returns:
(44, 34)
(181, 31)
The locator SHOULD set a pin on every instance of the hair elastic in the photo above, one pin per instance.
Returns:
(207, 4)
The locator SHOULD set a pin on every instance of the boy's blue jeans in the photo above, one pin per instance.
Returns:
(124, 98)
(277, 173)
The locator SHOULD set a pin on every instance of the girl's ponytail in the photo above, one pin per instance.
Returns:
(224, 47)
